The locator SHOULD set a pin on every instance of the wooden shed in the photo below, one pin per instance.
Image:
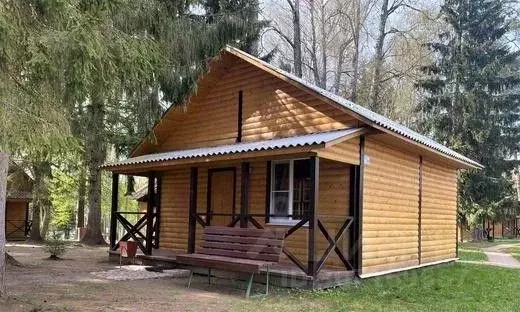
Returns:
(258, 147)
(17, 224)
(19, 196)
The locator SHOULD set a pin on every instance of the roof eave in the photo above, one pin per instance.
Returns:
(147, 165)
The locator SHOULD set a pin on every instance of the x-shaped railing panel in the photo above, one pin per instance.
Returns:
(333, 244)
(132, 231)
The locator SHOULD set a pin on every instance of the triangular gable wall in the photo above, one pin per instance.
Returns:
(271, 108)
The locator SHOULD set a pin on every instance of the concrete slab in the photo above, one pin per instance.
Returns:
(139, 272)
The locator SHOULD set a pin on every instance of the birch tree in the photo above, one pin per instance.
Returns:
(292, 35)
(389, 26)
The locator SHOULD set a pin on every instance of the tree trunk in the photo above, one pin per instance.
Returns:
(41, 202)
(314, 46)
(375, 88)
(339, 67)
(47, 215)
(95, 151)
(4, 166)
(355, 54)
(297, 38)
(323, 47)
(82, 189)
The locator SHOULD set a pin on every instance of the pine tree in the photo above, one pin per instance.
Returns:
(472, 99)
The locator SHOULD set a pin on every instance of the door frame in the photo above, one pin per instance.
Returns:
(211, 171)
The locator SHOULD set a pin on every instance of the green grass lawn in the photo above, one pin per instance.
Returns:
(472, 255)
(485, 244)
(515, 252)
(457, 287)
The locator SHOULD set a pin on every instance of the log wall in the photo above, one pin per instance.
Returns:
(438, 213)
(390, 227)
(393, 234)
(271, 108)
(347, 152)
(334, 200)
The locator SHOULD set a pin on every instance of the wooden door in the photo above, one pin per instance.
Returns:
(222, 196)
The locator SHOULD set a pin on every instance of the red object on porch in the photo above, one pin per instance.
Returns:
(128, 249)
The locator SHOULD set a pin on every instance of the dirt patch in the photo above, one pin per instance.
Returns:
(69, 285)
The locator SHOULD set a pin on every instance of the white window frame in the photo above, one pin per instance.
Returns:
(283, 220)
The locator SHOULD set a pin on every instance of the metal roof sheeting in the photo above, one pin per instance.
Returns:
(296, 141)
(364, 112)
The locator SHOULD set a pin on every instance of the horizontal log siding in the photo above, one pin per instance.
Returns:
(333, 201)
(347, 152)
(174, 209)
(390, 234)
(271, 108)
(439, 211)
(334, 188)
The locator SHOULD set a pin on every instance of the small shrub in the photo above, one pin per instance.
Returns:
(55, 247)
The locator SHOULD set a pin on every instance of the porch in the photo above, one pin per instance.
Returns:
(283, 275)
(314, 197)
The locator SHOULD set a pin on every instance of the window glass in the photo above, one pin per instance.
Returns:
(301, 188)
(290, 189)
(281, 204)
(281, 176)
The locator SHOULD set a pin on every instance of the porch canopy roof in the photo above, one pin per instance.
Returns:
(307, 143)
(16, 195)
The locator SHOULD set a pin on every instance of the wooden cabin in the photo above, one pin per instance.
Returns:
(19, 188)
(141, 196)
(258, 147)
(17, 216)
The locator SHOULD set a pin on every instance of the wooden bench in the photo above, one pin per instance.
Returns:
(236, 249)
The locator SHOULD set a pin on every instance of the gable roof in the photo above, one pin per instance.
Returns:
(367, 116)
(374, 119)
(323, 139)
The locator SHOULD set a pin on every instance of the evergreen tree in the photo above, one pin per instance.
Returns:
(472, 99)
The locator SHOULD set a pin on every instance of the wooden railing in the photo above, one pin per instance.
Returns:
(133, 231)
(23, 226)
(204, 219)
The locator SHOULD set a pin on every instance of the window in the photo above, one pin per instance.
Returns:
(290, 189)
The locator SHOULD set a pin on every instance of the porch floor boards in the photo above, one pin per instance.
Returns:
(283, 275)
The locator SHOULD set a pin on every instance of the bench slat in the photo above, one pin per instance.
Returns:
(221, 263)
(264, 249)
(236, 249)
(239, 254)
(243, 240)
(247, 232)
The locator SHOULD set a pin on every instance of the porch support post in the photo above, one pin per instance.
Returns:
(244, 195)
(192, 221)
(354, 212)
(113, 217)
(419, 231)
(313, 220)
(157, 213)
(150, 212)
(361, 182)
